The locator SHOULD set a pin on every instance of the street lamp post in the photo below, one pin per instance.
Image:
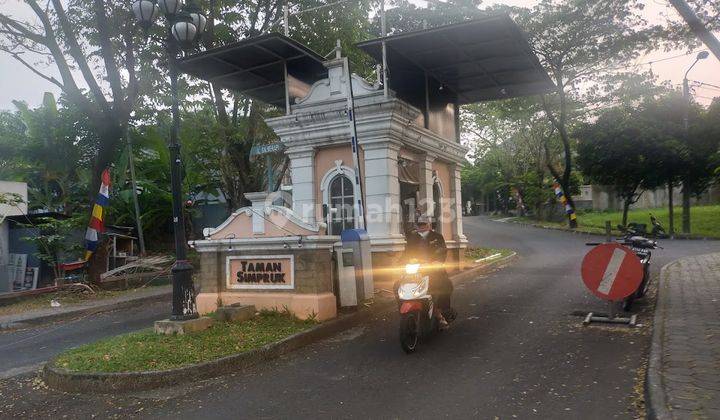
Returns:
(686, 125)
(185, 26)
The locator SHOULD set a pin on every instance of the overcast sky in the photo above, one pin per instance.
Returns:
(17, 82)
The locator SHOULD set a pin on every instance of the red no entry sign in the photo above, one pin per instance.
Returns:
(611, 271)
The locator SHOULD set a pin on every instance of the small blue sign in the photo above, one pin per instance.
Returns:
(264, 149)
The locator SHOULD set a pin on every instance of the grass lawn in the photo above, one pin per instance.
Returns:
(704, 220)
(475, 253)
(144, 350)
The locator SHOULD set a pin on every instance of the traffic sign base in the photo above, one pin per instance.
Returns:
(610, 318)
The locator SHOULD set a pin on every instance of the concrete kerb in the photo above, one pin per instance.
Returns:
(105, 383)
(581, 232)
(654, 393)
(21, 322)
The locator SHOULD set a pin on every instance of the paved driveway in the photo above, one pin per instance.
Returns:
(515, 351)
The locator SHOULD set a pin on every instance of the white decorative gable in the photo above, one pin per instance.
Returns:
(334, 87)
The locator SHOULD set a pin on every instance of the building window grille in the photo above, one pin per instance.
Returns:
(341, 200)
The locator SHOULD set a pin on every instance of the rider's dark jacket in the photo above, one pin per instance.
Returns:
(430, 249)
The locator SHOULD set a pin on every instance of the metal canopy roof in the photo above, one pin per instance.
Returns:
(478, 60)
(255, 66)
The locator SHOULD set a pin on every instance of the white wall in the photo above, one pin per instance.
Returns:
(15, 188)
(19, 188)
(4, 256)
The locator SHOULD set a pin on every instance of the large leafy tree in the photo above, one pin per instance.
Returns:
(92, 46)
(12, 137)
(663, 122)
(613, 151)
(511, 136)
(407, 16)
(576, 40)
(50, 147)
(700, 149)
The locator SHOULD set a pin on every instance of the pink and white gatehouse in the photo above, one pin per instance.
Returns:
(281, 251)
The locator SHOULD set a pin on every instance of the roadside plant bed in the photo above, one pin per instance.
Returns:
(147, 351)
(476, 253)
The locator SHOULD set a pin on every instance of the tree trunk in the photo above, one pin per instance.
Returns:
(686, 208)
(98, 261)
(110, 141)
(671, 210)
(626, 208)
(572, 222)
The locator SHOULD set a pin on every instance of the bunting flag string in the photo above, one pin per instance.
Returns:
(561, 197)
(97, 220)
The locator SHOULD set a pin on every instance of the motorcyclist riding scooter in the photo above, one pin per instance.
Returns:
(424, 290)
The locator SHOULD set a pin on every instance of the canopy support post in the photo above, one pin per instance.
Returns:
(286, 18)
(287, 88)
(383, 29)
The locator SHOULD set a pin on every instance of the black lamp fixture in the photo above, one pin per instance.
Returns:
(145, 12)
(171, 7)
(184, 30)
(186, 22)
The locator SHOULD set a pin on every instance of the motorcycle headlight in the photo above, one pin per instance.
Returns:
(422, 288)
(412, 268)
(414, 289)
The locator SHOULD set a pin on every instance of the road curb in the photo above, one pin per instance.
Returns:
(467, 274)
(106, 383)
(563, 229)
(654, 392)
(44, 319)
(679, 237)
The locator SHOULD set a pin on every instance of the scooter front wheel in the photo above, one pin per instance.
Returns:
(409, 331)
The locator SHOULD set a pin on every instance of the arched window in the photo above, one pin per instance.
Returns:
(341, 200)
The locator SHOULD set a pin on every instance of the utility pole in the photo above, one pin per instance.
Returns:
(138, 222)
(697, 26)
(686, 126)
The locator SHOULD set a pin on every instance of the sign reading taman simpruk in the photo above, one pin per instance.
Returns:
(261, 272)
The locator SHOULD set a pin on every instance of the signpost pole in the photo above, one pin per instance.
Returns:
(267, 150)
(360, 215)
(608, 231)
(269, 168)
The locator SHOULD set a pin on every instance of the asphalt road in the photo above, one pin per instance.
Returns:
(25, 350)
(516, 351)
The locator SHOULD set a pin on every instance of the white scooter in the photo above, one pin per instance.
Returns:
(416, 307)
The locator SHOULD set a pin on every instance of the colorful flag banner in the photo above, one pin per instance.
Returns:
(97, 220)
(561, 197)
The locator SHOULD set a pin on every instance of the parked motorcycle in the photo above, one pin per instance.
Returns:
(416, 307)
(641, 246)
(658, 231)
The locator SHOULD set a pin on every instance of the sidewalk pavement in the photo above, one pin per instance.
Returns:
(684, 368)
(39, 316)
